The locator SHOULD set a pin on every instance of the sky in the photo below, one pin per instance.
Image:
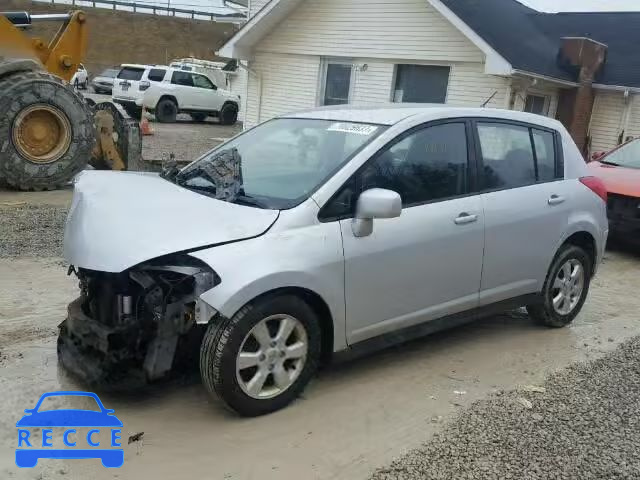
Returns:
(543, 5)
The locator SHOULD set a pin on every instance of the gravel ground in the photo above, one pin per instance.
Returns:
(582, 424)
(32, 231)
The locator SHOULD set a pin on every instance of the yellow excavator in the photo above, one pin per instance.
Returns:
(48, 131)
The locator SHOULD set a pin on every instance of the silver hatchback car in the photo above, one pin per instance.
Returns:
(326, 233)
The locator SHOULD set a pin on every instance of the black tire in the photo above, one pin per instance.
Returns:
(199, 117)
(545, 313)
(229, 114)
(166, 111)
(23, 90)
(133, 112)
(222, 342)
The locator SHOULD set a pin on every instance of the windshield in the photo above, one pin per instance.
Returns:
(626, 156)
(283, 161)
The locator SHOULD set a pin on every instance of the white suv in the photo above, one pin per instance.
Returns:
(167, 91)
(131, 83)
(193, 93)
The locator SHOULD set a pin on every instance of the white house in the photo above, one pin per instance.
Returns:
(581, 68)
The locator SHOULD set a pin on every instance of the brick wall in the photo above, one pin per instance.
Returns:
(117, 37)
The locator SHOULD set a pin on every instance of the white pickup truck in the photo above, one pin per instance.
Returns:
(166, 91)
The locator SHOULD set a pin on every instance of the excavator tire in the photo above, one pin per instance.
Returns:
(46, 131)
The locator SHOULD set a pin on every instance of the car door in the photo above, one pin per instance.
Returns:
(428, 262)
(207, 93)
(184, 90)
(526, 203)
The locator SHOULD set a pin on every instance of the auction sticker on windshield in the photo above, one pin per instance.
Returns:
(357, 128)
(51, 430)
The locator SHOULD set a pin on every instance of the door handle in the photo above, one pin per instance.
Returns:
(464, 218)
(555, 200)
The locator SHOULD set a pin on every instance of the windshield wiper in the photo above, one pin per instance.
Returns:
(606, 162)
(250, 201)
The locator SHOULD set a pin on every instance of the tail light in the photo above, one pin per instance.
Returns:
(143, 86)
(596, 186)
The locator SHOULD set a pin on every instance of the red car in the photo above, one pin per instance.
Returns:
(620, 172)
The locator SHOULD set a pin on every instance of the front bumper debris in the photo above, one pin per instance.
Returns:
(130, 324)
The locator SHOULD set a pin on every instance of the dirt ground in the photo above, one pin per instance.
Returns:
(353, 419)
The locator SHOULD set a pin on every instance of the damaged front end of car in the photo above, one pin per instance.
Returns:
(133, 321)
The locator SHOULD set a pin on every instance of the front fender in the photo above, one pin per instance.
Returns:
(309, 258)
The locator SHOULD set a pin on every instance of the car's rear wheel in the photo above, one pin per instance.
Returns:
(261, 359)
(565, 289)
(166, 111)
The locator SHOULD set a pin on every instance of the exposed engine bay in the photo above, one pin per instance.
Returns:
(132, 320)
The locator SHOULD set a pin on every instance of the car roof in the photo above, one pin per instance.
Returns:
(393, 113)
(139, 65)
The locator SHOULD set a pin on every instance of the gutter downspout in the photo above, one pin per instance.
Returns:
(259, 79)
(626, 115)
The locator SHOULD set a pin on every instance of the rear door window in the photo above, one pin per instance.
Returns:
(182, 78)
(516, 155)
(507, 155)
(156, 74)
(131, 73)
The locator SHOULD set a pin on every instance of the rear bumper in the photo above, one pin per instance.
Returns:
(128, 102)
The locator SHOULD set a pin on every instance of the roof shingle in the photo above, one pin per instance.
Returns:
(530, 40)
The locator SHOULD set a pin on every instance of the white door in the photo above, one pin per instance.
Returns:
(526, 204)
(206, 93)
(428, 262)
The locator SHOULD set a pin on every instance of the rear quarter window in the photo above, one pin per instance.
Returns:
(131, 73)
(156, 74)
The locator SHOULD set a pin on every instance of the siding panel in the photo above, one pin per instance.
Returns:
(401, 29)
(289, 83)
(606, 120)
(633, 128)
(469, 86)
(373, 87)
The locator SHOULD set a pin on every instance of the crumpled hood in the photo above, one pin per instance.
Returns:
(120, 219)
(620, 180)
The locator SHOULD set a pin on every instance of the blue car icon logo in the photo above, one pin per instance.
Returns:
(68, 418)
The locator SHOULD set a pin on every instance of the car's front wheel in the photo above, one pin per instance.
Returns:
(565, 288)
(261, 359)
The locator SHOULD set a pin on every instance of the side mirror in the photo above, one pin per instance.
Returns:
(375, 203)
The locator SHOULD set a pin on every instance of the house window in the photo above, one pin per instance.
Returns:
(336, 88)
(421, 84)
(537, 104)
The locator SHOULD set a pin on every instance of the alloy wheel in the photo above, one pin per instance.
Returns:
(567, 288)
(272, 356)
